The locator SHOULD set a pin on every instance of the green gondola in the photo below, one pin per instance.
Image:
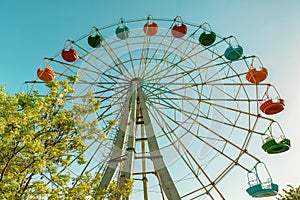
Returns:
(207, 39)
(271, 146)
(96, 40)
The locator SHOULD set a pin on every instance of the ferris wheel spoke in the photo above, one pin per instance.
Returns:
(228, 71)
(203, 83)
(189, 116)
(110, 93)
(235, 161)
(64, 169)
(166, 49)
(178, 76)
(205, 67)
(113, 78)
(74, 74)
(237, 111)
(144, 55)
(117, 70)
(88, 163)
(131, 59)
(169, 53)
(220, 137)
(106, 75)
(68, 66)
(227, 141)
(103, 93)
(166, 116)
(187, 70)
(154, 94)
(107, 110)
(105, 114)
(187, 57)
(183, 59)
(177, 94)
(117, 61)
(109, 114)
(226, 68)
(163, 47)
(199, 114)
(102, 89)
(204, 187)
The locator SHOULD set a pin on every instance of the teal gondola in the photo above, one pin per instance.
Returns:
(233, 53)
(122, 31)
(257, 187)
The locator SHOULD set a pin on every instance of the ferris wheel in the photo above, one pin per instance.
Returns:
(186, 102)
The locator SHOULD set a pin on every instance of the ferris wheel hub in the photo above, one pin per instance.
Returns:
(136, 79)
(135, 82)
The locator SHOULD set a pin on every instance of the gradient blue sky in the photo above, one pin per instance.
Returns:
(270, 29)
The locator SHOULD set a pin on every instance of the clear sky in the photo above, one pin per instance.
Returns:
(33, 29)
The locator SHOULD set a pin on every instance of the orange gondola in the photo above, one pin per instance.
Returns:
(150, 28)
(46, 75)
(256, 74)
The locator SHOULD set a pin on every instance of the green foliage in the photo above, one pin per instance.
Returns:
(113, 192)
(291, 194)
(39, 136)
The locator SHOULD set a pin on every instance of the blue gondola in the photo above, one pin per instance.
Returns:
(257, 187)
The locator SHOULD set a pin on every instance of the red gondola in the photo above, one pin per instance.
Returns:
(272, 106)
(70, 55)
(179, 29)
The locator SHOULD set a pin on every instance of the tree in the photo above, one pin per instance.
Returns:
(291, 194)
(40, 135)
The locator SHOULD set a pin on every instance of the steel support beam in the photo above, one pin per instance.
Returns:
(168, 185)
